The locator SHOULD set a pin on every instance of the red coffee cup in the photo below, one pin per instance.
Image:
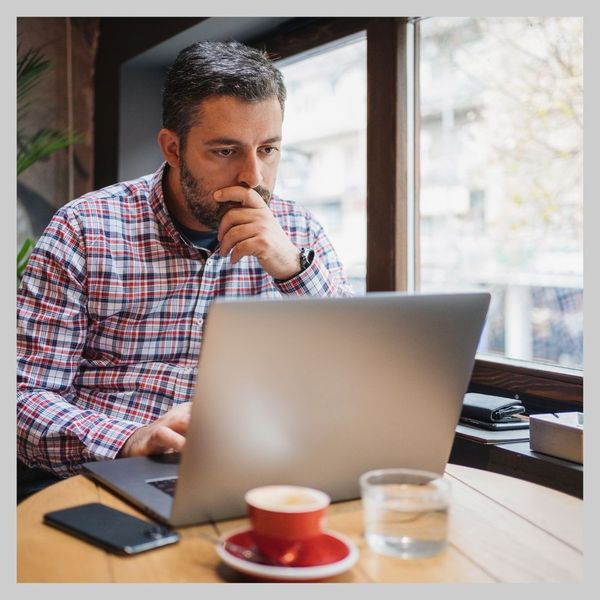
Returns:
(285, 519)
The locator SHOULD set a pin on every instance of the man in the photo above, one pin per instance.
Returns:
(112, 304)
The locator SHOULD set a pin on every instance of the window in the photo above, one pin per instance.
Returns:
(501, 199)
(464, 194)
(323, 159)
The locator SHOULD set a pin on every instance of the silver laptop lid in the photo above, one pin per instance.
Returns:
(317, 391)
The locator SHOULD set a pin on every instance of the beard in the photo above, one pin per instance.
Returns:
(199, 199)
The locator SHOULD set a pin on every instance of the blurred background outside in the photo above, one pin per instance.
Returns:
(501, 170)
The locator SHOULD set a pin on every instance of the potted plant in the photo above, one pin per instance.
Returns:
(32, 66)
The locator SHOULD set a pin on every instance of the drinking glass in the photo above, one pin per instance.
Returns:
(405, 511)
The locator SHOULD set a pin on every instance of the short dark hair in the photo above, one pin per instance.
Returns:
(207, 69)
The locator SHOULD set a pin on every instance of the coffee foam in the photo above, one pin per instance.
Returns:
(287, 498)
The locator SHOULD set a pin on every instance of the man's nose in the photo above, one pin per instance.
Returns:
(250, 173)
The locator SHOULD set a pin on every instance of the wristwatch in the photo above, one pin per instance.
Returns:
(306, 258)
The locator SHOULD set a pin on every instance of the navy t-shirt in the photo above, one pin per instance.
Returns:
(206, 240)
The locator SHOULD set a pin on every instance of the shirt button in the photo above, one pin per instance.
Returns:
(198, 322)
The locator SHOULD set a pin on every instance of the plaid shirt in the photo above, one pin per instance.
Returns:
(110, 317)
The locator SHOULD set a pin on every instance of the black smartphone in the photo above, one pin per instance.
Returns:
(517, 423)
(111, 529)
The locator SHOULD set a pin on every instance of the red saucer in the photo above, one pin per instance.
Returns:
(324, 550)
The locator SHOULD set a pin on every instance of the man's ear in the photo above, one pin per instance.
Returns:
(169, 146)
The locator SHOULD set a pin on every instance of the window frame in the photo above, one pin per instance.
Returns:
(388, 166)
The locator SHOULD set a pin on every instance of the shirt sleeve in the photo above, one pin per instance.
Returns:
(325, 276)
(53, 432)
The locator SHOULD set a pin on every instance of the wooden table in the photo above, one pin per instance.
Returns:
(500, 529)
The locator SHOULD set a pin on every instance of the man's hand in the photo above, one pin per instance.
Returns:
(252, 230)
(165, 434)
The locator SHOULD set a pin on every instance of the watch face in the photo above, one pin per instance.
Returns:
(305, 258)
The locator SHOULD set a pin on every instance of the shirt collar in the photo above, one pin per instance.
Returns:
(159, 206)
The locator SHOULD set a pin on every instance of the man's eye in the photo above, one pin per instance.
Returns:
(225, 152)
(270, 150)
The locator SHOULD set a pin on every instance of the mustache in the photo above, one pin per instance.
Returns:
(263, 192)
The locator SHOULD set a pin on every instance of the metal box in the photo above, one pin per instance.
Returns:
(558, 434)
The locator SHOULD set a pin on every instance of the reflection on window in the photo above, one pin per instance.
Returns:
(501, 176)
(323, 159)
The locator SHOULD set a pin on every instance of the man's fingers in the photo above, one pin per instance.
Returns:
(247, 197)
(233, 217)
(166, 438)
(166, 433)
(245, 248)
(169, 431)
(178, 418)
(178, 424)
(237, 234)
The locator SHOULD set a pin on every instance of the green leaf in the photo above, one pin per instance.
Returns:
(41, 145)
(30, 69)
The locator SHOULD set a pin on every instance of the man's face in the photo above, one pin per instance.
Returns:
(234, 143)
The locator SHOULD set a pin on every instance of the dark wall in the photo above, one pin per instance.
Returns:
(121, 38)
(63, 99)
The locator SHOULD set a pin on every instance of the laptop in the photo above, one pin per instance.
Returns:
(310, 391)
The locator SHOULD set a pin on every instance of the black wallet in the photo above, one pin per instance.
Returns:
(492, 409)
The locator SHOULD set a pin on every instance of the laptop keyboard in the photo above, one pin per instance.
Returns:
(165, 485)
